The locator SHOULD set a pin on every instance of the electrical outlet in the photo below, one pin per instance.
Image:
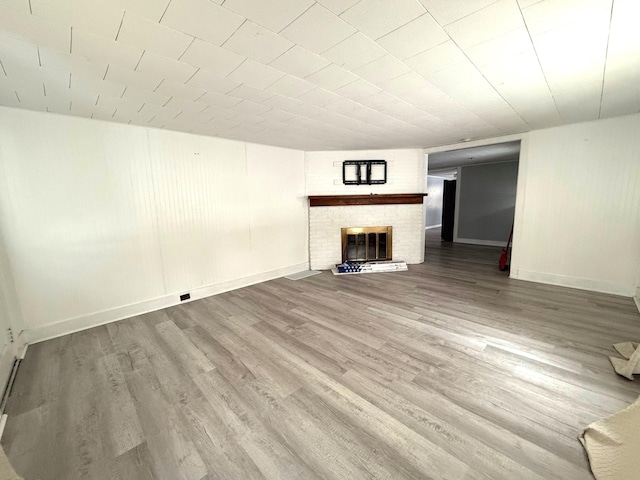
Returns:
(184, 297)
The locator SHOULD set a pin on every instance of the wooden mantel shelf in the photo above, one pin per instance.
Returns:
(373, 199)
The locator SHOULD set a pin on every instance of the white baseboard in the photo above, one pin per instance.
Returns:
(473, 241)
(574, 282)
(433, 226)
(72, 325)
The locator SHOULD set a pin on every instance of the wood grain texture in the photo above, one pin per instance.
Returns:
(448, 371)
(372, 199)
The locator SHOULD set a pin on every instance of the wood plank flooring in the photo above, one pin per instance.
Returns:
(448, 371)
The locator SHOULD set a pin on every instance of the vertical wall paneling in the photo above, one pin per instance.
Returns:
(104, 221)
(580, 208)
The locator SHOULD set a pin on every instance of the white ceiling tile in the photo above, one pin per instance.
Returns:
(550, 15)
(252, 108)
(274, 14)
(415, 37)
(318, 29)
(145, 34)
(211, 57)
(332, 77)
(338, 6)
(502, 47)
(290, 86)
(209, 81)
(410, 81)
(256, 74)
(623, 38)
(307, 110)
(101, 50)
(17, 56)
(39, 31)
(139, 96)
(246, 92)
(92, 15)
(179, 90)
(300, 62)
(320, 97)
(257, 43)
(382, 70)
(163, 67)
(219, 100)
(202, 19)
(126, 77)
(279, 115)
(578, 106)
(358, 89)
(437, 58)
(282, 103)
(573, 56)
(448, 11)
(151, 9)
(376, 18)
(354, 52)
(21, 6)
(493, 21)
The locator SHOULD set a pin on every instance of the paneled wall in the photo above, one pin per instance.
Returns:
(104, 221)
(578, 211)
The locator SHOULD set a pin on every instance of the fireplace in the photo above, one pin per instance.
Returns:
(366, 244)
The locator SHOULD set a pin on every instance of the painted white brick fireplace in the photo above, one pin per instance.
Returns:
(325, 224)
(406, 174)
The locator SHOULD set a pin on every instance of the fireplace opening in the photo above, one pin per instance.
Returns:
(366, 244)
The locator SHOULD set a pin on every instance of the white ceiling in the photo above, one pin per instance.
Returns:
(331, 74)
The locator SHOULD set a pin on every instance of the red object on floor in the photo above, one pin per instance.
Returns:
(504, 256)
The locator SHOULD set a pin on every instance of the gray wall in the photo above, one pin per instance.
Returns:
(487, 201)
(434, 201)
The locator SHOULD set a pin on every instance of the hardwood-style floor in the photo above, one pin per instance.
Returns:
(450, 370)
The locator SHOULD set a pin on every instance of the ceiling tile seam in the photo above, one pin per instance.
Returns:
(71, 41)
(292, 21)
(471, 13)
(535, 50)
(185, 50)
(120, 26)
(30, 8)
(606, 58)
(234, 32)
(165, 11)
(39, 59)
(3, 70)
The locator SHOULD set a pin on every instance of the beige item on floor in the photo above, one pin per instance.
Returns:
(613, 444)
(626, 368)
(6, 470)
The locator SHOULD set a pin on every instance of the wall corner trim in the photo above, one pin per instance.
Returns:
(72, 325)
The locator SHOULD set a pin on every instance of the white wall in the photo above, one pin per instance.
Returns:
(435, 188)
(104, 221)
(406, 171)
(11, 344)
(578, 207)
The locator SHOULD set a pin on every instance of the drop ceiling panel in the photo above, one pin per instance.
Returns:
(151, 9)
(544, 16)
(332, 77)
(246, 92)
(338, 6)
(318, 29)
(36, 30)
(438, 58)
(99, 50)
(354, 52)
(145, 34)
(179, 90)
(300, 62)
(164, 68)
(274, 14)
(95, 16)
(208, 80)
(290, 86)
(320, 97)
(358, 89)
(448, 11)
(256, 74)
(415, 37)
(211, 57)
(257, 43)
(382, 70)
(202, 19)
(502, 47)
(376, 18)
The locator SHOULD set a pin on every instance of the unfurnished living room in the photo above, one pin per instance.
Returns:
(319, 239)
